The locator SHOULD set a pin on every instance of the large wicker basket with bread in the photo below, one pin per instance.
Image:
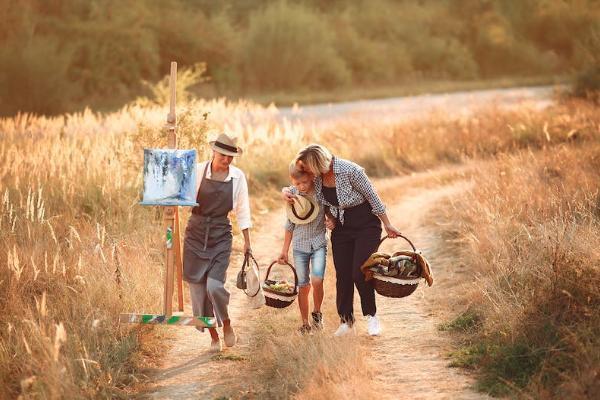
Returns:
(410, 268)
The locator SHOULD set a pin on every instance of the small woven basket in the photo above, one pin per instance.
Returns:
(277, 299)
(395, 287)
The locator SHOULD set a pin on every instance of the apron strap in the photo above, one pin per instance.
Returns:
(208, 221)
(205, 169)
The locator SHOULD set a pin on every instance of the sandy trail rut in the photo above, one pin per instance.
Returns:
(409, 356)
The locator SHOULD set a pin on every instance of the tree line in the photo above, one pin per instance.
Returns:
(63, 55)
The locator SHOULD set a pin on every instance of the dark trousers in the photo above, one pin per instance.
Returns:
(352, 244)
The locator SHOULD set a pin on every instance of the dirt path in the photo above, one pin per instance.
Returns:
(403, 108)
(409, 356)
(189, 371)
(411, 343)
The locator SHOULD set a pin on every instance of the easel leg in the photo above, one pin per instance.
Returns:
(178, 261)
(169, 276)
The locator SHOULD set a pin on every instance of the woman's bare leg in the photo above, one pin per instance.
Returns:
(214, 335)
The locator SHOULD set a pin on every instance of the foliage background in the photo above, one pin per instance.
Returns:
(64, 55)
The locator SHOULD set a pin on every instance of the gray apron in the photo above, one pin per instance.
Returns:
(208, 237)
(207, 248)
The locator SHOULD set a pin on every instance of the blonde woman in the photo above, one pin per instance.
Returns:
(221, 188)
(344, 188)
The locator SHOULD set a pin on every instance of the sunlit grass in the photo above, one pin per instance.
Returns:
(78, 249)
(529, 230)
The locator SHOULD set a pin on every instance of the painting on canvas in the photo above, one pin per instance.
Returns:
(169, 177)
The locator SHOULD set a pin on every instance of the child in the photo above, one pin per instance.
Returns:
(305, 228)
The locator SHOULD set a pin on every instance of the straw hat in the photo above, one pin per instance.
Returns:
(226, 145)
(303, 211)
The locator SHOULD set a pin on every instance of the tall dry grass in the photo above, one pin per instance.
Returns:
(287, 365)
(530, 231)
(284, 364)
(78, 249)
(74, 247)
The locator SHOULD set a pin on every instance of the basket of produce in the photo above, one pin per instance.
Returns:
(279, 293)
(397, 274)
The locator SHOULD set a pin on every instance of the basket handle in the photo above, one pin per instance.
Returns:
(293, 270)
(246, 263)
(402, 236)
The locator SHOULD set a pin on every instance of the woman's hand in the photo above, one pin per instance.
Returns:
(391, 231)
(247, 248)
(287, 196)
(283, 258)
(329, 222)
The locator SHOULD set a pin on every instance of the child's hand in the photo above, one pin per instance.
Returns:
(287, 196)
(283, 258)
(329, 223)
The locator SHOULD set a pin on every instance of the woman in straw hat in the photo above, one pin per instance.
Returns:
(345, 189)
(221, 188)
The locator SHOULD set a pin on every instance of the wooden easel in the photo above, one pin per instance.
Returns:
(174, 257)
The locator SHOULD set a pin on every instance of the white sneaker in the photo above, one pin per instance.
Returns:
(373, 326)
(343, 330)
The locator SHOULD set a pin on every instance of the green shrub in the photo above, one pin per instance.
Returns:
(499, 50)
(587, 83)
(289, 46)
(369, 60)
(443, 57)
(187, 78)
(467, 321)
(35, 77)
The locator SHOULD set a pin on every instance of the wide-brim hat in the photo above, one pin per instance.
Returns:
(304, 210)
(226, 145)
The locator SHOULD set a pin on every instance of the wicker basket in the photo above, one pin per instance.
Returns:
(395, 287)
(277, 299)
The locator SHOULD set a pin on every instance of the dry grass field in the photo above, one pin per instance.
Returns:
(77, 248)
(529, 230)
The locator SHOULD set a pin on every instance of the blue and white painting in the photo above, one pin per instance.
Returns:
(169, 177)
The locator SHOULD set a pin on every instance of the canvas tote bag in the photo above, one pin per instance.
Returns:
(248, 280)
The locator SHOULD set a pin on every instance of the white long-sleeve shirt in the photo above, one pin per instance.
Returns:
(241, 201)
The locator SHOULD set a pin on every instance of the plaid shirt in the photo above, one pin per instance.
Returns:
(353, 188)
(308, 237)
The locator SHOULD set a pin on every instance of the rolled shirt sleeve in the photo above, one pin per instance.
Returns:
(289, 225)
(242, 204)
(361, 183)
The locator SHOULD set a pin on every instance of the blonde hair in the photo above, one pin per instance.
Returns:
(296, 172)
(315, 159)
